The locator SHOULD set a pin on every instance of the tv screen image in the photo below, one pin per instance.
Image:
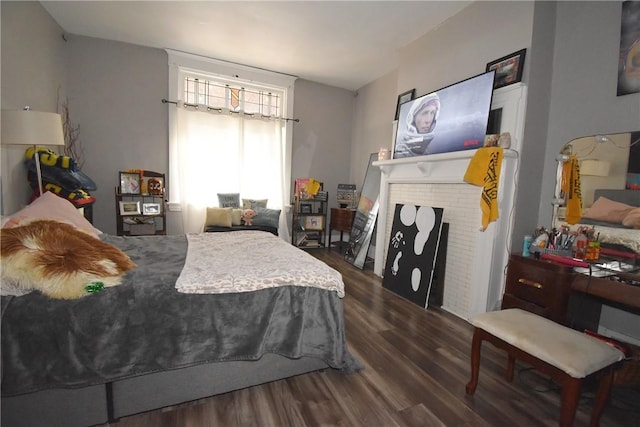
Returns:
(453, 118)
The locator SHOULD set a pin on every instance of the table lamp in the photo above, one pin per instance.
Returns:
(28, 127)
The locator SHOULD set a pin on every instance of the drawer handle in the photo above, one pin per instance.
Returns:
(530, 283)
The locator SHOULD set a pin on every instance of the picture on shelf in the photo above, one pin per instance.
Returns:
(130, 182)
(155, 186)
(305, 208)
(306, 188)
(151, 208)
(314, 222)
(130, 208)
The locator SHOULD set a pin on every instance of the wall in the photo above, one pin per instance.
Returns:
(321, 140)
(115, 93)
(33, 74)
(583, 94)
(460, 48)
(373, 117)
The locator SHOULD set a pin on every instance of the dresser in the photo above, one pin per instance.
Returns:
(538, 286)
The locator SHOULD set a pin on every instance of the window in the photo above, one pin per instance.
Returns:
(232, 96)
(227, 135)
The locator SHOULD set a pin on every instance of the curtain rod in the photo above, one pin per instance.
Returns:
(219, 110)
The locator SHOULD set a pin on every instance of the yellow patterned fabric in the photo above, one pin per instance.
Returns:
(484, 170)
(571, 188)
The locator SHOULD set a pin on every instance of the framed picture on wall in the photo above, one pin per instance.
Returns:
(508, 69)
(402, 98)
(629, 55)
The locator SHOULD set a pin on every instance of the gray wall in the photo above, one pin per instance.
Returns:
(458, 49)
(33, 74)
(115, 93)
(322, 138)
(583, 92)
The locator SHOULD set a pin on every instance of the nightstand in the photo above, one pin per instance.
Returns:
(341, 220)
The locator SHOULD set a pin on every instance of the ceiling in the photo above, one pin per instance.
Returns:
(346, 44)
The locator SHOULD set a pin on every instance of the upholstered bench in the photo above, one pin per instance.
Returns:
(566, 355)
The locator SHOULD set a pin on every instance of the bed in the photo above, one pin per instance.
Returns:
(145, 344)
(615, 215)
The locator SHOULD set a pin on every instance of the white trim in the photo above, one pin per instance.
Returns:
(180, 61)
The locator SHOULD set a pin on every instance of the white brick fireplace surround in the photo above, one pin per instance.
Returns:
(476, 260)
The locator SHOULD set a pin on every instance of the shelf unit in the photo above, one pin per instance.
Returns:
(142, 214)
(310, 220)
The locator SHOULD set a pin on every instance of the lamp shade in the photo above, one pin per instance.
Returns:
(594, 168)
(27, 127)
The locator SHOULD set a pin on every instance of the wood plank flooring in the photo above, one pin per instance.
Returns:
(416, 368)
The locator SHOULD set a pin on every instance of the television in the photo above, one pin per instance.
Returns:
(453, 118)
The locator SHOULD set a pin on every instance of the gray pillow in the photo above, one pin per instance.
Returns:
(229, 200)
(267, 217)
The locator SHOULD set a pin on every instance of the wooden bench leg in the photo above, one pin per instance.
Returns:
(511, 363)
(476, 344)
(602, 396)
(570, 397)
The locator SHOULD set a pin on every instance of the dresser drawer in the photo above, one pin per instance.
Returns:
(511, 301)
(545, 286)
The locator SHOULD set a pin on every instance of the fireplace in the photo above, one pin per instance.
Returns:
(475, 260)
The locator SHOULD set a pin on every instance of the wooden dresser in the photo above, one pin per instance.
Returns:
(541, 287)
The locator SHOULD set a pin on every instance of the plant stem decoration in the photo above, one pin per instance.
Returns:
(73, 146)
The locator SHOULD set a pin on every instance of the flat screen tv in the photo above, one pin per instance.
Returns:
(453, 118)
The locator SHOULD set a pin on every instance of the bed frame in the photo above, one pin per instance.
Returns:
(104, 403)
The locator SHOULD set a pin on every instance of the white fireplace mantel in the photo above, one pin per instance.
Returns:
(476, 259)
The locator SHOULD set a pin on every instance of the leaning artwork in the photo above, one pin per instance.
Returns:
(413, 248)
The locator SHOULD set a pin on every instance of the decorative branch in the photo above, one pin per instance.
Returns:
(73, 146)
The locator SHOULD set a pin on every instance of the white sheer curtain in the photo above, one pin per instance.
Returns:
(228, 153)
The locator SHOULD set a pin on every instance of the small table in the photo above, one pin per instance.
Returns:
(341, 220)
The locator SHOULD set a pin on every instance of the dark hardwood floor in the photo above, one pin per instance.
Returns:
(416, 368)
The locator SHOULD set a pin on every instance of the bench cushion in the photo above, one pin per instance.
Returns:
(575, 353)
(218, 229)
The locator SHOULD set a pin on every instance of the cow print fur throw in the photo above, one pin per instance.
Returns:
(58, 259)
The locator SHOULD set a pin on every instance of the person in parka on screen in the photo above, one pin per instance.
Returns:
(420, 126)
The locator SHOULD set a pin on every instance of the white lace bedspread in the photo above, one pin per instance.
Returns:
(245, 261)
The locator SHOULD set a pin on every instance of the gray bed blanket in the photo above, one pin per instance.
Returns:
(145, 326)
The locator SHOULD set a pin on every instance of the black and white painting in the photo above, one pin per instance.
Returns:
(413, 246)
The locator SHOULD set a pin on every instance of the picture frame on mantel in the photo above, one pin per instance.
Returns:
(404, 97)
(508, 69)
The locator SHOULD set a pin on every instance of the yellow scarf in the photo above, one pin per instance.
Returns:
(484, 169)
(571, 188)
